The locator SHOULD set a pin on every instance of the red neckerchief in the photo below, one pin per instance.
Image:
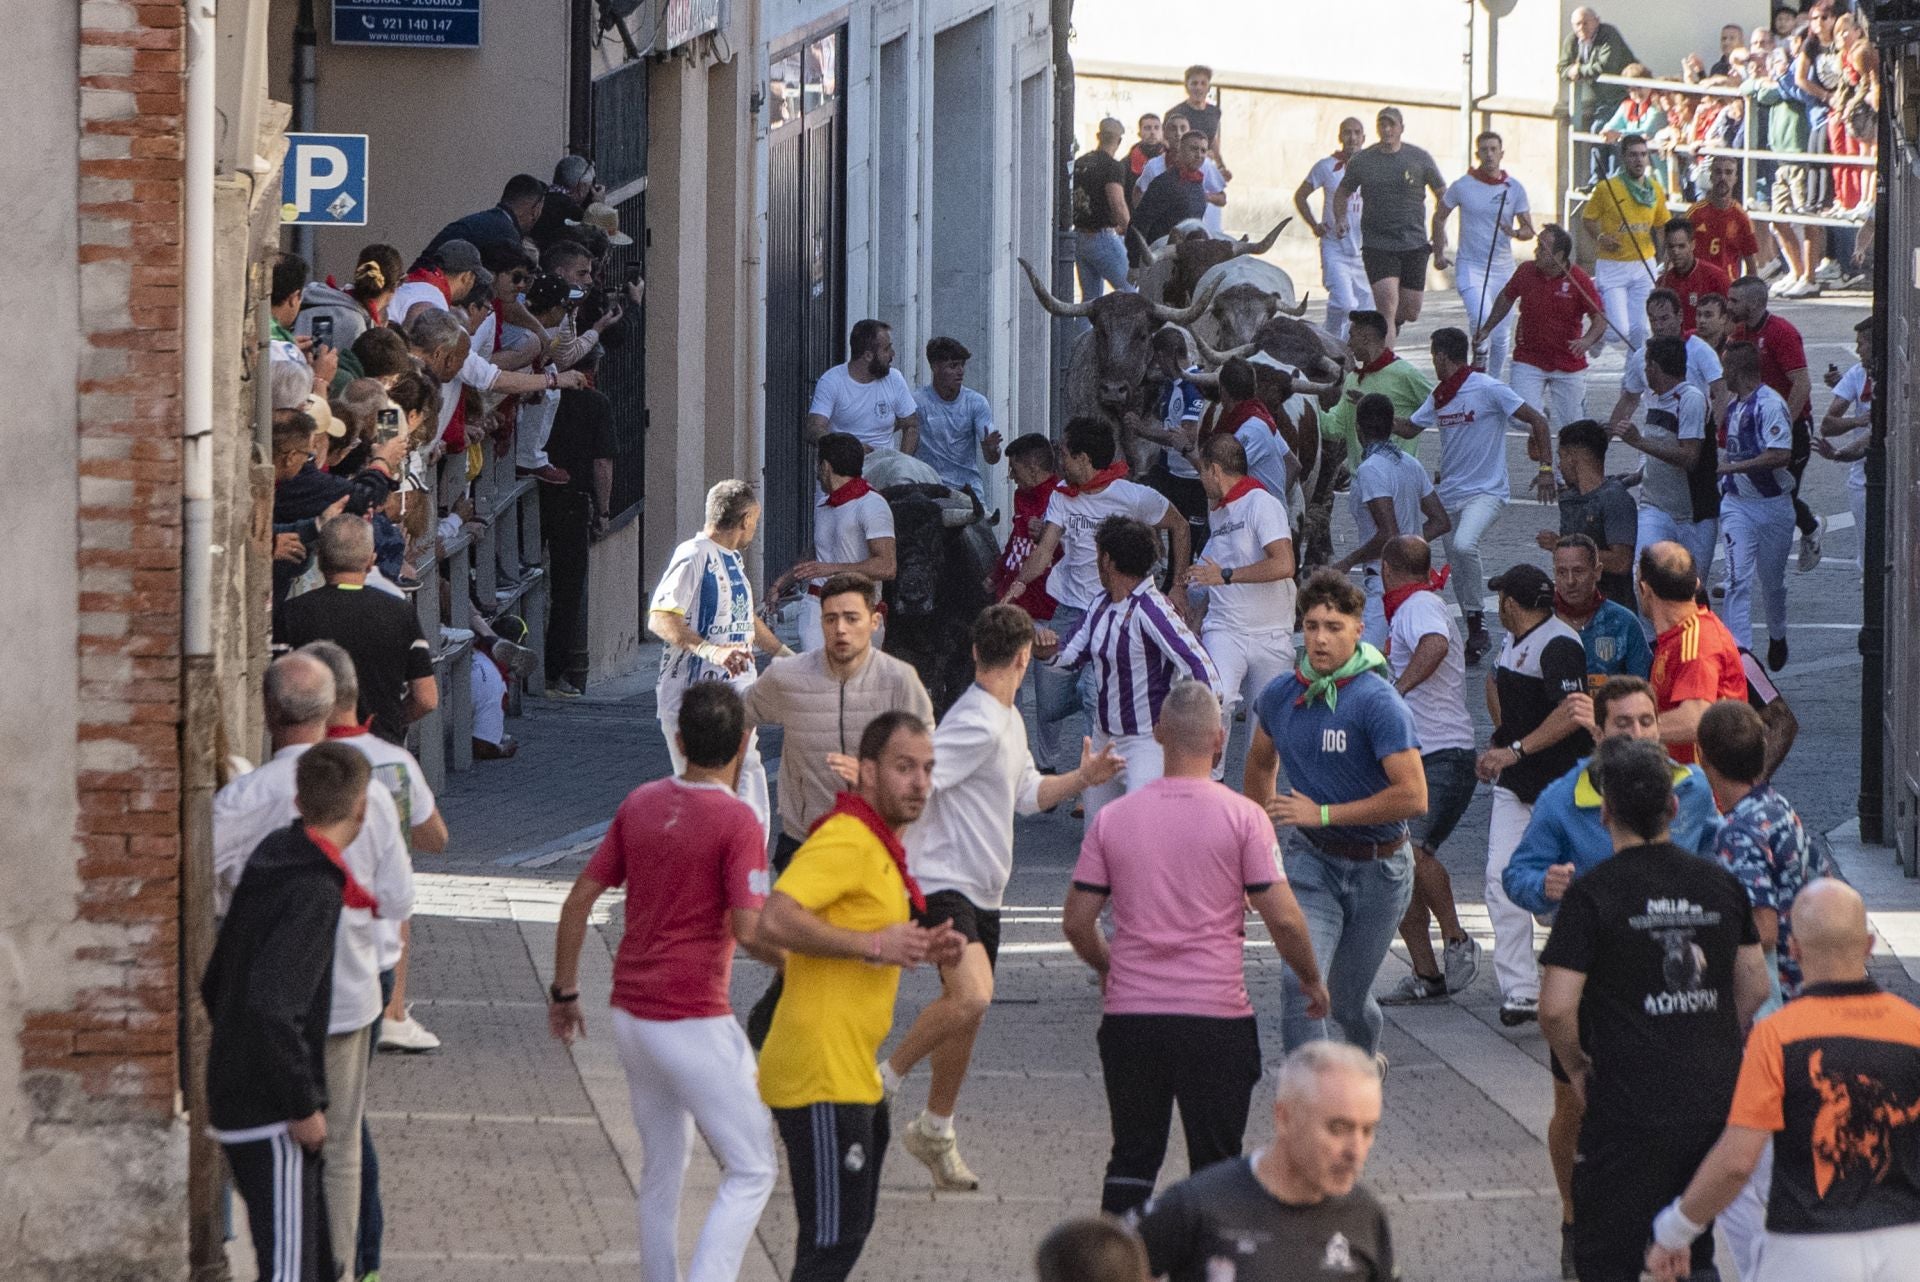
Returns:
(848, 492)
(1495, 181)
(1394, 598)
(1866, 390)
(1339, 161)
(1568, 611)
(353, 894)
(1192, 175)
(350, 732)
(1114, 471)
(855, 807)
(1252, 410)
(1638, 110)
(1450, 386)
(1378, 363)
(435, 277)
(1242, 487)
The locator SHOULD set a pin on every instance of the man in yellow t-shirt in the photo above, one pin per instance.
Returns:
(843, 910)
(1623, 218)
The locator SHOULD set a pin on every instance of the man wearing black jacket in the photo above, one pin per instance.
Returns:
(269, 995)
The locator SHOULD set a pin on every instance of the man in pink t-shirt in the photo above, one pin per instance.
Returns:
(693, 859)
(1180, 860)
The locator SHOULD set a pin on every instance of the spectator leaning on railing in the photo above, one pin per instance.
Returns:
(1592, 49)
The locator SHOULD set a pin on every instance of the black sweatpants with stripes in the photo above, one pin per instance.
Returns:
(286, 1208)
(833, 1157)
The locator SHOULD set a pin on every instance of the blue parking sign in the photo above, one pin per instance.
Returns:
(324, 180)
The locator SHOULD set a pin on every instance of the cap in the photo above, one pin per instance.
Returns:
(458, 256)
(547, 292)
(604, 217)
(321, 413)
(1528, 585)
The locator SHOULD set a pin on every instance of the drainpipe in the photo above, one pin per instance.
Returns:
(1063, 330)
(1466, 92)
(305, 39)
(197, 339)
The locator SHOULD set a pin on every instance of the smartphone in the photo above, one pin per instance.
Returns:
(633, 273)
(387, 424)
(323, 331)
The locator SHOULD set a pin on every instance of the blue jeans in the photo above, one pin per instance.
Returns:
(1058, 693)
(1101, 258)
(1450, 783)
(1353, 911)
(373, 1220)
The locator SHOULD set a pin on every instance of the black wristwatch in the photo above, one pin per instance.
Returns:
(1226, 574)
(1518, 750)
(559, 998)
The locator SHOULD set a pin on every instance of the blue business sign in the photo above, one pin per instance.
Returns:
(417, 24)
(324, 180)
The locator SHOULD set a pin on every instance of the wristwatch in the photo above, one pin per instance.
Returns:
(559, 998)
(1518, 750)
(1226, 574)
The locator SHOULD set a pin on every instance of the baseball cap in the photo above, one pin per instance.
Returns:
(459, 256)
(317, 409)
(548, 291)
(1528, 585)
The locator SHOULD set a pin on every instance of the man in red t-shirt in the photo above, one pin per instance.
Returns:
(1783, 367)
(1726, 236)
(1687, 274)
(1695, 661)
(693, 859)
(1030, 465)
(1550, 350)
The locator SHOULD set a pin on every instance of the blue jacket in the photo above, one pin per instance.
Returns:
(1566, 829)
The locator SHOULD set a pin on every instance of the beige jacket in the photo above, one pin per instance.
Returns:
(820, 714)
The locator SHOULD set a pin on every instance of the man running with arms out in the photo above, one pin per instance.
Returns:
(1424, 658)
(1376, 369)
(1615, 643)
(1294, 1209)
(961, 852)
(1391, 494)
(1493, 211)
(693, 859)
(1353, 760)
(703, 611)
(1180, 861)
(1550, 351)
(1342, 271)
(1393, 179)
(1756, 502)
(1695, 661)
(1472, 413)
(1651, 971)
(1623, 217)
(1679, 491)
(843, 912)
(1830, 1085)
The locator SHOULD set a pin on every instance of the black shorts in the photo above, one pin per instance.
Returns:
(979, 925)
(1408, 266)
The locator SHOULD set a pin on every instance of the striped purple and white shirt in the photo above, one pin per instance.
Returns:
(1138, 647)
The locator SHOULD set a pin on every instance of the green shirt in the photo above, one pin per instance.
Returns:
(281, 333)
(1399, 382)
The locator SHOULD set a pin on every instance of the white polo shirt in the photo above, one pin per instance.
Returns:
(1237, 537)
(841, 534)
(864, 411)
(1438, 704)
(1075, 578)
(983, 774)
(1388, 473)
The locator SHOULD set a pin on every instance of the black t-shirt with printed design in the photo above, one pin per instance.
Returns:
(1225, 1214)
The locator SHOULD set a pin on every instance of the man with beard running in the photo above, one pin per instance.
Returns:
(1393, 178)
(1493, 211)
(1342, 272)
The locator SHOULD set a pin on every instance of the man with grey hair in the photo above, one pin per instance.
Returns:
(443, 346)
(1295, 1208)
(575, 185)
(1180, 860)
(300, 695)
(380, 631)
(703, 611)
(1100, 214)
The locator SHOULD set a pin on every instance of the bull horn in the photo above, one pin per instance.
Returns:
(1048, 301)
(1217, 358)
(1303, 388)
(1265, 243)
(1180, 315)
(1298, 309)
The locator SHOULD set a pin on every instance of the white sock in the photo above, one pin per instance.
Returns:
(889, 1079)
(934, 1124)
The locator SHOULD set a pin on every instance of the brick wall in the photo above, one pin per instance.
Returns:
(117, 1039)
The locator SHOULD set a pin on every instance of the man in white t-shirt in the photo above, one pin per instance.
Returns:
(867, 398)
(1665, 319)
(1493, 213)
(703, 611)
(1096, 488)
(1472, 412)
(1847, 427)
(1679, 500)
(1247, 575)
(852, 532)
(444, 347)
(1341, 269)
(961, 853)
(1391, 495)
(956, 424)
(1429, 670)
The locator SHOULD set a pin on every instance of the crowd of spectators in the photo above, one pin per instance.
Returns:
(1807, 84)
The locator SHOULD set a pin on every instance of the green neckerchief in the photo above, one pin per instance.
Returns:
(1365, 659)
(280, 333)
(1644, 191)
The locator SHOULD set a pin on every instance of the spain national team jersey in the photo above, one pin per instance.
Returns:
(1696, 659)
(707, 585)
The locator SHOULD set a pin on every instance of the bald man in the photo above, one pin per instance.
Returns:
(1341, 269)
(1829, 1097)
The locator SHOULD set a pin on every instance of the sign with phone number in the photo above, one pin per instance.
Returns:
(415, 24)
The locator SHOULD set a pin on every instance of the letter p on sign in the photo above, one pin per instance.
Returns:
(324, 180)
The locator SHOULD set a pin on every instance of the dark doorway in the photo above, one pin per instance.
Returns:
(806, 273)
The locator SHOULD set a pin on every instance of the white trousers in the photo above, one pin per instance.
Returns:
(1758, 533)
(1561, 395)
(683, 1073)
(1513, 961)
(1479, 300)
(1144, 765)
(1876, 1255)
(753, 771)
(531, 428)
(1345, 277)
(1745, 1221)
(489, 688)
(1471, 520)
(1248, 662)
(1701, 538)
(1623, 292)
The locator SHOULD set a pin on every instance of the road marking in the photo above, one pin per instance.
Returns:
(490, 1119)
(559, 848)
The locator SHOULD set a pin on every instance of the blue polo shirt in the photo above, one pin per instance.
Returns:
(1616, 644)
(1334, 755)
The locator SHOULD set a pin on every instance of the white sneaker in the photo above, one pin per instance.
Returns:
(1810, 547)
(1827, 272)
(406, 1036)
(1802, 288)
(941, 1154)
